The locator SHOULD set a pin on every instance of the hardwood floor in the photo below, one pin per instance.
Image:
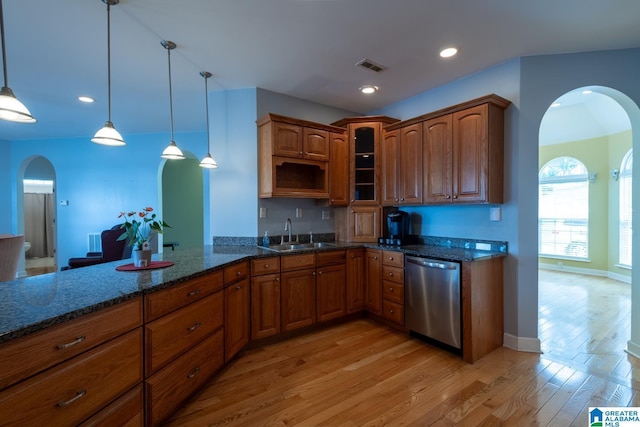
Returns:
(362, 373)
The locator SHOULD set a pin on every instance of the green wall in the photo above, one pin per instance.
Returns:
(600, 156)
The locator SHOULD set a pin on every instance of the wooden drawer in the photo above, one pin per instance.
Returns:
(167, 389)
(26, 356)
(175, 333)
(265, 265)
(236, 272)
(393, 291)
(331, 258)
(159, 303)
(393, 311)
(393, 258)
(124, 412)
(74, 390)
(393, 274)
(297, 262)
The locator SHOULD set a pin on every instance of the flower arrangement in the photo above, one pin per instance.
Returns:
(138, 229)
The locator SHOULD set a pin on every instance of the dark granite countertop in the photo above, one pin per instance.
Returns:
(34, 303)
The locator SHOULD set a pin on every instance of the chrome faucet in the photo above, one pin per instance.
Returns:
(287, 227)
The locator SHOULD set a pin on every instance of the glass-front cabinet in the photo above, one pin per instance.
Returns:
(365, 149)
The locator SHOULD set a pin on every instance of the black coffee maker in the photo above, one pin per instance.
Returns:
(398, 223)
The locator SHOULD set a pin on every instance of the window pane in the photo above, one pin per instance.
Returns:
(625, 209)
(563, 209)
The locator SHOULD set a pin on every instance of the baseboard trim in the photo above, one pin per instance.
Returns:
(633, 349)
(530, 345)
(587, 271)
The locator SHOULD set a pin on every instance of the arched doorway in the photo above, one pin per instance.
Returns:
(182, 201)
(38, 203)
(594, 125)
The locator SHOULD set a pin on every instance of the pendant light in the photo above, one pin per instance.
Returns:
(108, 135)
(10, 108)
(207, 161)
(172, 151)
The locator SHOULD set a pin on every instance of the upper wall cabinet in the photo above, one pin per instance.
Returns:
(293, 158)
(463, 152)
(402, 166)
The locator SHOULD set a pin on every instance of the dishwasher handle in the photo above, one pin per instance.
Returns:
(432, 263)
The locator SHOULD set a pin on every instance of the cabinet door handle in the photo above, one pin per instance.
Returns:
(319, 272)
(313, 274)
(277, 279)
(390, 289)
(194, 327)
(238, 273)
(455, 197)
(390, 274)
(375, 258)
(391, 311)
(266, 266)
(78, 340)
(448, 197)
(78, 395)
(193, 373)
(238, 287)
(193, 293)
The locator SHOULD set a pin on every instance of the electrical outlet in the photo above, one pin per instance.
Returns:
(263, 212)
(326, 215)
(560, 264)
(298, 213)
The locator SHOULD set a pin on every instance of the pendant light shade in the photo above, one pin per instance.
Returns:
(108, 135)
(207, 162)
(172, 151)
(10, 108)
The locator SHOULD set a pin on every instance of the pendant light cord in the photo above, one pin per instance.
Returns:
(170, 94)
(206, 97)
(4, 52)
(108, 60)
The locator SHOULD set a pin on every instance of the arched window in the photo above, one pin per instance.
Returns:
(563, 215)
(625, 209)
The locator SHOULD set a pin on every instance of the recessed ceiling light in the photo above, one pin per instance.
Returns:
(587, 92)
(368, 89)
(556, 104)
(85, 99)
(448, 52)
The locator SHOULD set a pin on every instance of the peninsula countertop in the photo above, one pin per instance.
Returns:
(34, 303)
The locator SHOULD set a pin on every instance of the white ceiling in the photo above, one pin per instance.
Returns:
(56, 51)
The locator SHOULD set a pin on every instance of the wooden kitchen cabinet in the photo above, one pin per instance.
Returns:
(265, 305)
(373, 281)
(402, 166)
(237, 315)
(464, 153)
(171, 335)
(355, 280)
(265, 297)
(76, 389)
(364, 223)
(298, 291)
(331, 285)
(126, 411)
(166, 390)
(393, 286)
(339, 169)
(293, 157)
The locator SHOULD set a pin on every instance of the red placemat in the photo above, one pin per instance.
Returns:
(152, 266)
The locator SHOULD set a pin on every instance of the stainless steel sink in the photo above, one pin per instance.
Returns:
(290, 247)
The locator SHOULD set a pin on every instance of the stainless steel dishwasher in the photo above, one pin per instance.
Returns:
(432, 299)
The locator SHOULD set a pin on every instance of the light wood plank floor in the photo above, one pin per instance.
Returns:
(364, 374)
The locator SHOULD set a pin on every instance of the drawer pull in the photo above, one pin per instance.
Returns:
(194, 327)
(193, 373)
(71, 344)
(238, 273)
(238, 287)
(391, 311)
(193, 293)
(266, 266)
(391, 274)
(78, 395)
(390, 258)
(390, 289)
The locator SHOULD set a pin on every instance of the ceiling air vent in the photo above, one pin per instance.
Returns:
(369, 64)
